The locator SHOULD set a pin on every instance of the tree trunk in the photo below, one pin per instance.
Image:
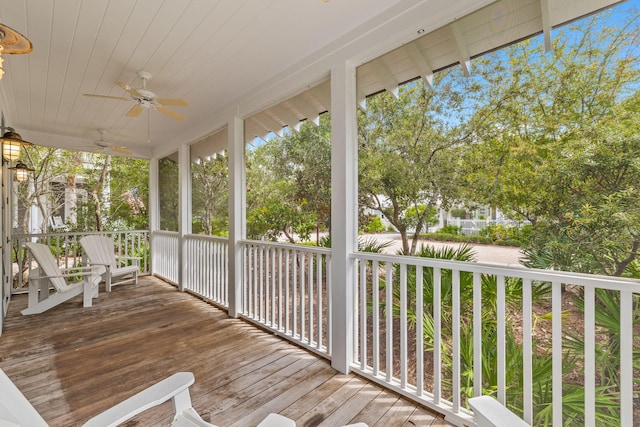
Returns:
(73, 200)
(95, 192)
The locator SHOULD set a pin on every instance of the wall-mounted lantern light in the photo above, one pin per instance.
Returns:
(12, 144)
(22, 172)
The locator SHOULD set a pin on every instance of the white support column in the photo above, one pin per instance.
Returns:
(344, 212)
(184, 214)
(154, 205)
(5, 243)
(237, 215)
(154, 195)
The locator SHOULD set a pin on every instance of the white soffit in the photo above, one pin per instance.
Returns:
(497, 25)
(492, 27)
(210, 145)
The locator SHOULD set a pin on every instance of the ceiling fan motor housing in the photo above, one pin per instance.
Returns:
(147, 98)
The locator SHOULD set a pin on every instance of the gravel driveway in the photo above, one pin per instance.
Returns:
(490, 254)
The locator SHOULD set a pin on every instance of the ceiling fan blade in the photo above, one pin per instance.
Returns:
(120, 149)
(129, 89)
(173, 101)
(119, 98)
(134, 111)
(171, 113)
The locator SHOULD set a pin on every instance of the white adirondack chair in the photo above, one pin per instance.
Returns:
(15, 409)
(101, 253)
(49, 274)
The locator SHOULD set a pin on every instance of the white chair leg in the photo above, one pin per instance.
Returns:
(107, 280)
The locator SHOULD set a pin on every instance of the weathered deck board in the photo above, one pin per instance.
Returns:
(73, 363)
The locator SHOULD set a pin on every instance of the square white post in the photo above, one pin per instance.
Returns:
(184, 214)
(344, 211)
(154, 206)
(237, 215)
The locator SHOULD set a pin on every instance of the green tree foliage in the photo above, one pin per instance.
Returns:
(558, 144)
(50, 167)
(406, 157)
(169, 200)
(129, 194)
(210, 195)
(288, 184)
(96, 191)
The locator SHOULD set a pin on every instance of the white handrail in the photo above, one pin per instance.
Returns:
(383, 289)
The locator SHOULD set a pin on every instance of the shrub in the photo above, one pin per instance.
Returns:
(459, 213)
(374, 226)
(443, 237)
(450, 229)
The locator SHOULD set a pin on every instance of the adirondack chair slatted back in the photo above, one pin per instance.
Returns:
(48, 265)
(100, 250)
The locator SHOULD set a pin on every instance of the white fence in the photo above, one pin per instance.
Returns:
(474, 226)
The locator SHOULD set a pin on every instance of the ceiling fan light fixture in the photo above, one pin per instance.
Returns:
(144, 98)
(12, 42)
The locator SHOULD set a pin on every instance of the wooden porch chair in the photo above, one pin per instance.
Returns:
(101, 252)
(49, 274)
(16, 410)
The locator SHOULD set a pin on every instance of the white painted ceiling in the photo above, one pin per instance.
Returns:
(266, 60)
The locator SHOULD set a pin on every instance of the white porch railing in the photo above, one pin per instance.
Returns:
(207, 259)
(534, 339)
(522, 323)
(67, 250)
(286, 288)
(165, 252)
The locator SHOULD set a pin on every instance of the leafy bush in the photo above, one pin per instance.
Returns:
(459, 213)
(374, 226)
(507, 236)
(450, 229)
(443, 237)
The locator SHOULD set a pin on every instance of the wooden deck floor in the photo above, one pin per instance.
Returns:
(73, 363)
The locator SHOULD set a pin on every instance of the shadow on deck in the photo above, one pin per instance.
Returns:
(73, 363)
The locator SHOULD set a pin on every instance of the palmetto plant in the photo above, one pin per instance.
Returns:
(573, 392)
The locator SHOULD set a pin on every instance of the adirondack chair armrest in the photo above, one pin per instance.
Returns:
(135, 259)
(91, 263)
(83, 271)
(175, 387)
(81, 268)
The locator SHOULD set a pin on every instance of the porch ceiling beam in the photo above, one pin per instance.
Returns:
(322, 95)
(268, 123)
(259, 126)
(546, 24)
(300, 103)
(461, 48)
(285, 115)
(361, 99)
(385, 76)
(426, 72)
(253, 130)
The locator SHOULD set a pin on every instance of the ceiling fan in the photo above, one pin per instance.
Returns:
(146, 99)
(106, 148)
